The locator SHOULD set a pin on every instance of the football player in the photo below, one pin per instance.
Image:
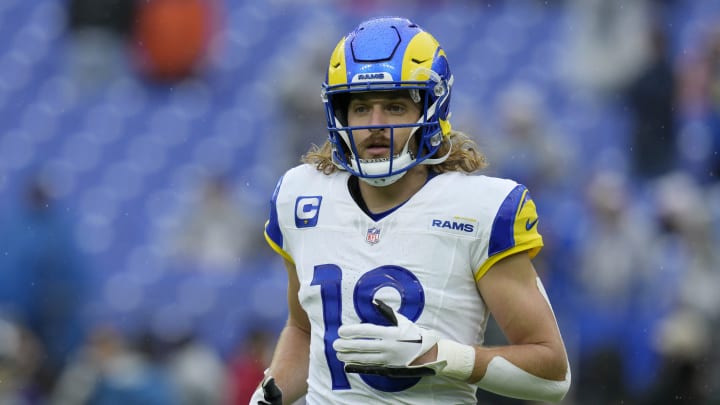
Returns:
(397, 251)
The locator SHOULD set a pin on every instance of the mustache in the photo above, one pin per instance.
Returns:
(377, 140)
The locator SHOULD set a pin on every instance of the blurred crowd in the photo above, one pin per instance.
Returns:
(51, 354)
(627, 188)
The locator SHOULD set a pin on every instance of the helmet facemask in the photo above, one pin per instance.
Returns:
(427, 79)
(420, 147)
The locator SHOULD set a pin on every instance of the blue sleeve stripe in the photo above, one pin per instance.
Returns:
(502, 236)
(272, 227)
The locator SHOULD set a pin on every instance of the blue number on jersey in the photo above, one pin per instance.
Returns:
(412, 302)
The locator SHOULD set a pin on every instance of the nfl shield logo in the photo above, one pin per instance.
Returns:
(373, 235)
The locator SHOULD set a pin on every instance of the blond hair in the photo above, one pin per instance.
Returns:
(465, 155)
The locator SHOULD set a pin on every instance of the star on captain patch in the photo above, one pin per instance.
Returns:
(373, 235)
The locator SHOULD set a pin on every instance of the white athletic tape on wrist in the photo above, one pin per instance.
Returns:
(505, 378)
(459, 359)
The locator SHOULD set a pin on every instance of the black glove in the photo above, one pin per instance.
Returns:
(267, 393)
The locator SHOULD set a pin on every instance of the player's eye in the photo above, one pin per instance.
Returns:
(396, 108)
(359, 108)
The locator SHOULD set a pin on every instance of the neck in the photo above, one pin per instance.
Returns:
(379, 199)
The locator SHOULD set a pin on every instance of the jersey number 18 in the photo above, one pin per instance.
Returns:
(412, 302)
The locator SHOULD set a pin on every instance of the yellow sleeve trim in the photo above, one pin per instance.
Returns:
(278, 249)
(533, 248)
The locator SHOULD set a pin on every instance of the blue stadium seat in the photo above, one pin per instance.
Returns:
(126, 155)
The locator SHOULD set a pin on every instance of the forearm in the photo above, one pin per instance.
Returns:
(530, 372)
(534, 365)
(290, 361)
(525, 371)
(539, 360)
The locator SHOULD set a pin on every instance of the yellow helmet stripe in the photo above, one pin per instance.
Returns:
(416, 55)
(445, 127)
(337, 72)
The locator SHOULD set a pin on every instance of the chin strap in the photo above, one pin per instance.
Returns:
(404, 159)
(386, 181)
(382, 181)
(435, 161)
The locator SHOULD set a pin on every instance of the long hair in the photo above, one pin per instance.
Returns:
(465, 155)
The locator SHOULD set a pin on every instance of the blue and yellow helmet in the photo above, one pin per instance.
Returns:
(385, 54)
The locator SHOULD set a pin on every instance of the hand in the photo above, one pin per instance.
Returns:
(386, 350)
(267, 393)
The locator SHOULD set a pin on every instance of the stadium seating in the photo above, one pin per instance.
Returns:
(125, 156)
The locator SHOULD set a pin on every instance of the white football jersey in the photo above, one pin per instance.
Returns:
(423, 259)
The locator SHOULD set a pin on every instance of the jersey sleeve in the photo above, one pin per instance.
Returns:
(273, 232)
(514, 229)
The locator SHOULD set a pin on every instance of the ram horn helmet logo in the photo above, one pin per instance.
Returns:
(373, 235)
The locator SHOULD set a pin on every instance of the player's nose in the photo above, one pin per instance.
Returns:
(378, 117)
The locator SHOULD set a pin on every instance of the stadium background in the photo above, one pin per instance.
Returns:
(119, 116)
